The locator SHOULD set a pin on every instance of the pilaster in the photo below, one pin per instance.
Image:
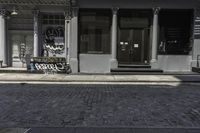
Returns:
(36, 33)
(113, 61)
(3, 48)
(74, 41)
(154, 51)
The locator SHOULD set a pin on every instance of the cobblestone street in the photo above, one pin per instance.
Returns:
(31, 105)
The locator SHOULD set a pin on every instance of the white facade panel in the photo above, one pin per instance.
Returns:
(94, 63)
(180, 63)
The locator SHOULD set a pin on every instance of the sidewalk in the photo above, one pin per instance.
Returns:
(97, 78)
(20, 74)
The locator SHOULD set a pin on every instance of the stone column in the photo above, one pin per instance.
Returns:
(67, 34)
(196, 40)
(113, 61)
(74, 41)
(3, 49)
(155, 37)
(36, 33)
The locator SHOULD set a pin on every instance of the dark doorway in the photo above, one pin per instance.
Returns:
(133, 37)
(131, 46)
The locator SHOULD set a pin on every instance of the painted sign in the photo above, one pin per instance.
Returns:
(41, 64)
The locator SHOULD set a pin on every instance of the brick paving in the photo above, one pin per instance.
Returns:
(29, 105)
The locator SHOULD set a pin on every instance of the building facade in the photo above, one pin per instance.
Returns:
(98, 36)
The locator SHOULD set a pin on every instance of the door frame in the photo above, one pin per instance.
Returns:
(146, 25)
(144, 44)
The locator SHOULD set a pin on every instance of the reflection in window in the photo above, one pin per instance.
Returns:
(175, 31)
(95, 31)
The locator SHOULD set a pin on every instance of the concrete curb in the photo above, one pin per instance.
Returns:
(14, 77)
(114, 130)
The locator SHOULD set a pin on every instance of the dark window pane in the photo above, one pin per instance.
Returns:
(62, 22)
(57, 17)
(45, 16)
(51, 16)
(95, 28)
(51, 21)
(57, 22)
(62, 17)
(45, 22)
(98, 39)
(175, 31)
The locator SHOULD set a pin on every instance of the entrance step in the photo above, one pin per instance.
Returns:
(196, 69)
(135, 70)
(133, 66)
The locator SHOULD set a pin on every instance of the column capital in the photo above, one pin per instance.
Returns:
(4, 13)
(156, 10)
(68, 14)
(115, 10)
(68, 10)
(74, 2)
(36, 12)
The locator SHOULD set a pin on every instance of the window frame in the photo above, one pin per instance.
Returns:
(99, 13)
(187, 47)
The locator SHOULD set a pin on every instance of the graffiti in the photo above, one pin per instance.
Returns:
(42, 64)
(53, 67)
(54, 40)
(48, 59)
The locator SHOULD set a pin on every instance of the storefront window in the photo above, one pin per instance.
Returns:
(53, 19)
(53, 29)
(175, 32)
(95, 29)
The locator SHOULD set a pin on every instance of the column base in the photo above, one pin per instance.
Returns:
(194, 63)
(154, 64)
(4, 65)
(113, 63)
(74, 65)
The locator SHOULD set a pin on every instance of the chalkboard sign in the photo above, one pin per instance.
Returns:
(197, 24)
(43, 64)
